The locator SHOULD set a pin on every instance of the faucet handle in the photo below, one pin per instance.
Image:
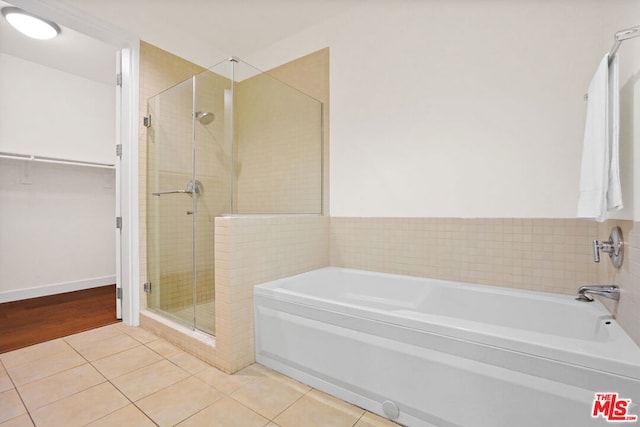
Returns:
(596, 251)
(613, 246)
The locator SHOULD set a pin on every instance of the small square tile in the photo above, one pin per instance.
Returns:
(81, 408)
(225, 412)
(165, 410)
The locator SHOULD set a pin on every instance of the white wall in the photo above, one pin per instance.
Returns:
(57, 229)
(457, 109)
(57, 225)
(47, 112)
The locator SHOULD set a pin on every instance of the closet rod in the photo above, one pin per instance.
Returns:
(42, 159)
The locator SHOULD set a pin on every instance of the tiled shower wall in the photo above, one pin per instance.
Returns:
(310, 75)
(278, 149)
(253, 250)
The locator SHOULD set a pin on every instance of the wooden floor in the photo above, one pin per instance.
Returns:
(27, 322)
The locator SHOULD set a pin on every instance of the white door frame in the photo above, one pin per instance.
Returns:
(129, 45)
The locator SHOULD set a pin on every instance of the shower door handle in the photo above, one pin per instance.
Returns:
(192, 187)
(160, 193)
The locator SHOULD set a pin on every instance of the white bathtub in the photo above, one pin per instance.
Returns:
(445, 353)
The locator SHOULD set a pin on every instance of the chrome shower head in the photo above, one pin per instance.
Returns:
(205, 117)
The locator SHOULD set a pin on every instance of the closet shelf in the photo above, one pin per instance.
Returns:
(55, 160)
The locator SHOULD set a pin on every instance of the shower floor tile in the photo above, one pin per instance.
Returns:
(119, 375)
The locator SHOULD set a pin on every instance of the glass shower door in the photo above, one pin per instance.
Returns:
(172, 194)
(188, 186)
(212, 148)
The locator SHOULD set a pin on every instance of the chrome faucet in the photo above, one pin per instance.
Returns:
(607, 291)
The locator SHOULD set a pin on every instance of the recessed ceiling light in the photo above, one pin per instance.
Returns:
(30, 25)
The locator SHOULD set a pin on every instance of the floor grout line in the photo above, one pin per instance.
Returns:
(130, 402)
(292, 403)
(251, 377)
(19, 396)
(87, 362)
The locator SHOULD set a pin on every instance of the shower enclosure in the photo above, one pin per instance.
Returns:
(229, 141)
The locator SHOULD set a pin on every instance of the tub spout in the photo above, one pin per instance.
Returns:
(607, 291)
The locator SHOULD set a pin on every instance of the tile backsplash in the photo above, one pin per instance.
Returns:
(550, 255)
(627, 310)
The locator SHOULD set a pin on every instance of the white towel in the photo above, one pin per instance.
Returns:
(600, 174)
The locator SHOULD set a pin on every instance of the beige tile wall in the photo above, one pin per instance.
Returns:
(310, 74)
(627, 277)
(253, 250)
(551, 255)
(278, 148)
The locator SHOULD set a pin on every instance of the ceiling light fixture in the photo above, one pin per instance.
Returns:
(30, 25)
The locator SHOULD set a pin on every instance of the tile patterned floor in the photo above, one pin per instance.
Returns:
(123, 376)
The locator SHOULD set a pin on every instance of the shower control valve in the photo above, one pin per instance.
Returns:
(613, 247)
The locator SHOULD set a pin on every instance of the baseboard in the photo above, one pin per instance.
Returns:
(56, 288)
